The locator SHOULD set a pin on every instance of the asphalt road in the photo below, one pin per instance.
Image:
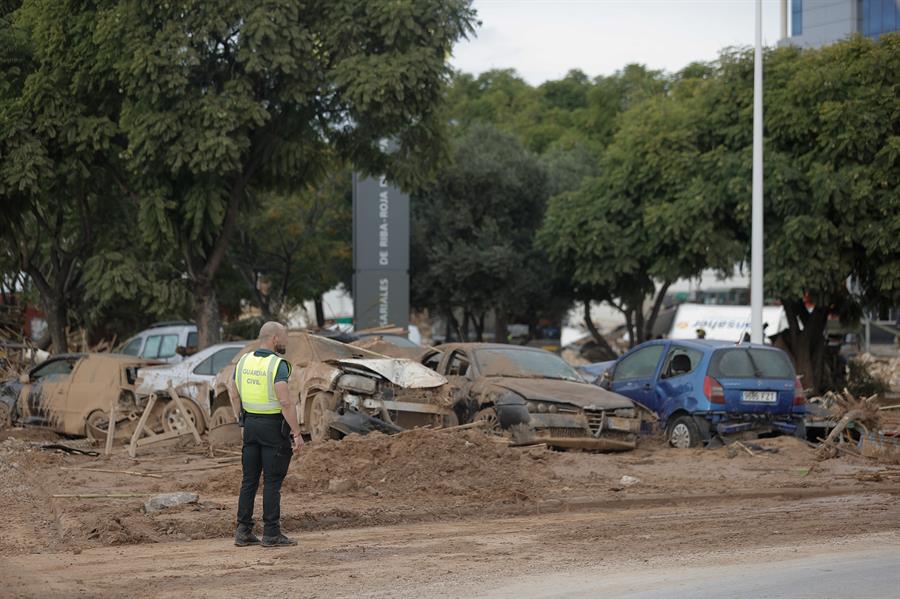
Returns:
(841, 574)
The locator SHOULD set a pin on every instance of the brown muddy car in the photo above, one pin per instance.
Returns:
(536, 394)
(72, 394)
(340, 388)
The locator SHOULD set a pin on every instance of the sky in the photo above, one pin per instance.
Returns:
(544, 39)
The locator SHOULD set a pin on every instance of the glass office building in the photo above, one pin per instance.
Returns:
(818, 22)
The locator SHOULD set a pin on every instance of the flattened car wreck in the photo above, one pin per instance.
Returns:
(342, 389)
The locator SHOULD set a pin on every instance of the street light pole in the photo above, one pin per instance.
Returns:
(756, 234)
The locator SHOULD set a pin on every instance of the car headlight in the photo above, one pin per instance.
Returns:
(532, 406)
(553, 409)
(355, 382)
(625, 413)
(542, 407)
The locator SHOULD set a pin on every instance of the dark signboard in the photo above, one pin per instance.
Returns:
(380, 253)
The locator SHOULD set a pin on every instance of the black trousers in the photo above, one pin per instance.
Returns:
(267, 450)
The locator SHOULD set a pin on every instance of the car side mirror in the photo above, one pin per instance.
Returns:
(606, 380)
(24, 379)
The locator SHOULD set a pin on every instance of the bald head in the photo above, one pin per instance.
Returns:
(273, 335)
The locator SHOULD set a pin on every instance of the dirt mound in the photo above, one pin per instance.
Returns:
(418, 463)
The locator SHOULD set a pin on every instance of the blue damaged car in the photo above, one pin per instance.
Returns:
(701, 389)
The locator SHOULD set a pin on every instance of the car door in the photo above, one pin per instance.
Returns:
(634, 376)
(43, 399)
(679, 385)
(457, 369)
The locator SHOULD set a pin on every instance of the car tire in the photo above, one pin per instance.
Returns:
(172, 419)
(221, 416)
(683, 433)
(488, 415)
(321, 413)
(96, 426)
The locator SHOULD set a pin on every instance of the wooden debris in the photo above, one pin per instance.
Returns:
(745, 448)
(100, 495)
(129, 472)
(462, 427)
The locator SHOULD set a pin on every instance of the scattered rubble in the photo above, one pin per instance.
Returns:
(886, 370)
(167, 500)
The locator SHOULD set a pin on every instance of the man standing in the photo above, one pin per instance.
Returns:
(259, 392)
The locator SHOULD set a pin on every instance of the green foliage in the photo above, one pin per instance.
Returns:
(188, 109)
(473, 230)
(570, 112)
(297, 246)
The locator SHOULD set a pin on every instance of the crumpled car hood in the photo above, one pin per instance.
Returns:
(405, 373)
(583, 395)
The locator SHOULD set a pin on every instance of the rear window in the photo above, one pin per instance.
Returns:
(160, 346)
(750, 363)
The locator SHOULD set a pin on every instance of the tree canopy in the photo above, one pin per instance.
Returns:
(191, 112)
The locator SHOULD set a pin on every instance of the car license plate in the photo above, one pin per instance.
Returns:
(759, 396)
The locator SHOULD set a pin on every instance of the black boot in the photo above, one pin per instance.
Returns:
(278, 541)
(244, 536)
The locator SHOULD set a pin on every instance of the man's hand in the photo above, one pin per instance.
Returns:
(297, 442)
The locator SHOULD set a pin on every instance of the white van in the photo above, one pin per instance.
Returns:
(161, 340)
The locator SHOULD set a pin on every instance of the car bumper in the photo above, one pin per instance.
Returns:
(588, 443)
(592, 431)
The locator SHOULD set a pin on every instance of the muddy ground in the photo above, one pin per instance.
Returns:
(388, 514)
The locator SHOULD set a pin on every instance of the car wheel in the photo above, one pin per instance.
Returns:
(173, 419)
(683, 433)
(488, 415)
(96, 426)
(5, 416)
(321, 413)
(221, 416)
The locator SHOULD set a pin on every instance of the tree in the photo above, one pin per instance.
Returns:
(652, 215)
(54, 142)
(195, 108)
(832, 188)
(473, 231)
(296, 247)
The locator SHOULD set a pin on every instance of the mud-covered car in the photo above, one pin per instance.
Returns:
(341, 389)
(72, 394)
(536, 394)
(188, 377)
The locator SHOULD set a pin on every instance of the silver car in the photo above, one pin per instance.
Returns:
(187, 377)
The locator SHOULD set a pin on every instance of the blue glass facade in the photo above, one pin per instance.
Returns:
(796, 17)
(878, 16)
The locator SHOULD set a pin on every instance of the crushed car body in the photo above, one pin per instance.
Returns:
(72, 394)
(528, 389)
(341, 389)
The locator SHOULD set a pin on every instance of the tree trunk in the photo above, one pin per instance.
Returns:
(56, 312)
(448, 331)
(654, 312)
(501, 333)
(479, 328)
(320, 312)
(598, 338)
(467, 318)
(807, 346)
(629, 325)
(206, 314)
(639, 321)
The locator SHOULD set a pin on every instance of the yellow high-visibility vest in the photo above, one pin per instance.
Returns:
(255, 379)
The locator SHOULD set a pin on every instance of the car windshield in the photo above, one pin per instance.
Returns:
(328, 349)
(399, 341)
(749, 363)
(526, 363)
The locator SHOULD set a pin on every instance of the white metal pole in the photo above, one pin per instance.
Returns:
(756, 234)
